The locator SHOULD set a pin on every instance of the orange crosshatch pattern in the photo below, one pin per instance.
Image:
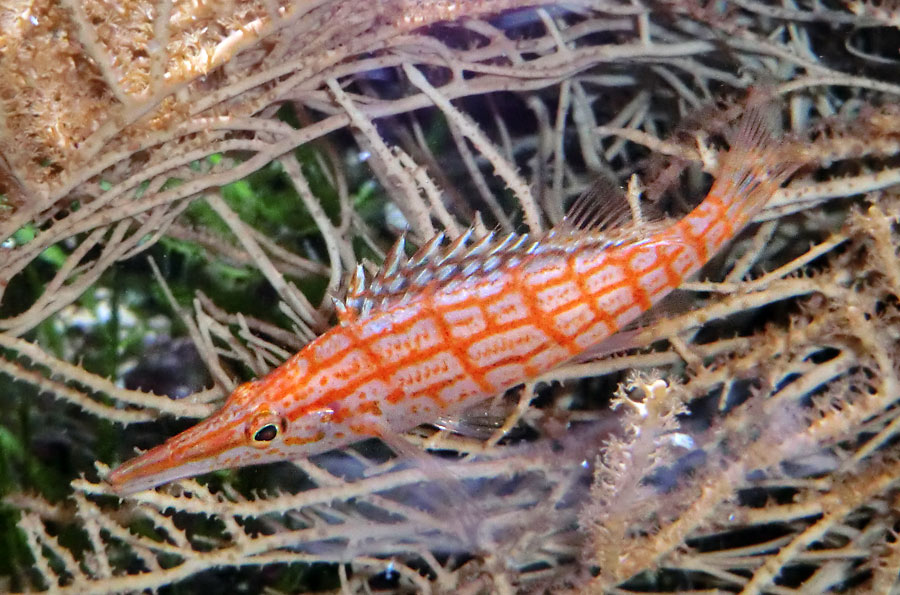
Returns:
(442, 333)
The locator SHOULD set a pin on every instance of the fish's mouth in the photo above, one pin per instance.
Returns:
(145, 472)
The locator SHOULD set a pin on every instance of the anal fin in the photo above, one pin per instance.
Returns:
(621, 341)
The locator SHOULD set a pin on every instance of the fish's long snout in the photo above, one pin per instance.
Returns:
(194, 451)
(139, 473)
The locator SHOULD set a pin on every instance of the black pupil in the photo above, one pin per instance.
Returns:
(266, 433)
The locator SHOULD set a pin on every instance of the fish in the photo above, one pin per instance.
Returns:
(453, 325)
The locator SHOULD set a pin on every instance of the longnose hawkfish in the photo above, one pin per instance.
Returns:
(433, 335)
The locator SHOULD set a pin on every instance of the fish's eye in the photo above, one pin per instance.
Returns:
(266, 433)
(265, 428)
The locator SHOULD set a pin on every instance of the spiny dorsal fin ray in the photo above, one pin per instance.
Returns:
(427, 252)
(396, 257)
(357, 283)
(345, 314)
(457, 247)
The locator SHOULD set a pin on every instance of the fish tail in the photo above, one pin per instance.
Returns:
(755, 166)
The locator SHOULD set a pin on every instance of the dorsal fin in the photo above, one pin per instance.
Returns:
(400, 277)
(605, 207)
(601, 216)
(602, 206)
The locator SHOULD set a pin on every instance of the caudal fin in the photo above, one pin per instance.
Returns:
(755, 166)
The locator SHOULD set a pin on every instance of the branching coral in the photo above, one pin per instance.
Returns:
(751, 449)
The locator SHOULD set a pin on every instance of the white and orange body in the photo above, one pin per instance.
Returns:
(433, 337)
